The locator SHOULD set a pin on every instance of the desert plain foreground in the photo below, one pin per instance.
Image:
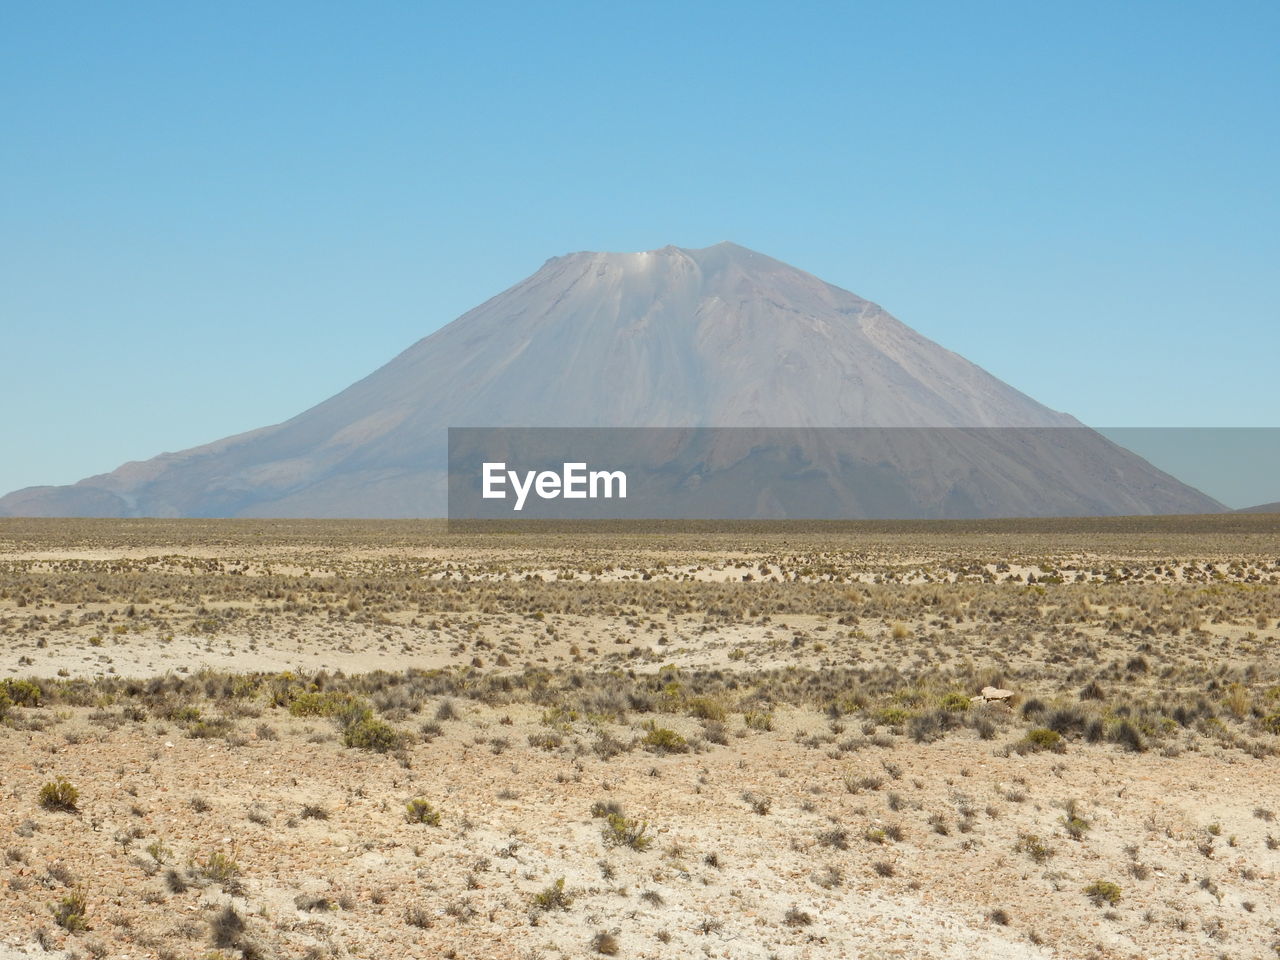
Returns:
(319, 739)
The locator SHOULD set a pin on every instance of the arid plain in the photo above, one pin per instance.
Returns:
(378, 739)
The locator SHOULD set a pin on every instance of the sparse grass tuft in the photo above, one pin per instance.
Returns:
(620, 831)
(554, 897)
(370, 734)
(420, 810)
(1033, 847)
(605, 943)
(1103, 892)
(228, 931)
(795, 917)
(221, 869)
(664, 740)
(1039, 739)
(71, 912)
(59, 794)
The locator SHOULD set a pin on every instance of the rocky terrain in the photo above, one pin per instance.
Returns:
(363, 740)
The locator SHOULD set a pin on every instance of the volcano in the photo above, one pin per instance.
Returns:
(714, 337)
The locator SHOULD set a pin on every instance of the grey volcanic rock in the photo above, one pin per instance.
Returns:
(721, 337)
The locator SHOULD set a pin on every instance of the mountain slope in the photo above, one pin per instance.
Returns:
(720, 336)
(1261, 508)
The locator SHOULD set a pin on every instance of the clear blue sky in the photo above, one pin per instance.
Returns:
(216, 215)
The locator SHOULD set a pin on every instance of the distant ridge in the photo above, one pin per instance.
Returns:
(1262, 508)
(720, 336)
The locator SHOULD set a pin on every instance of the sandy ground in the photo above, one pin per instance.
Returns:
(781, 826)
(514, 821)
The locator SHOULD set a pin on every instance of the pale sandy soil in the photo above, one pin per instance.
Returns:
(836, 833)
(513, 822)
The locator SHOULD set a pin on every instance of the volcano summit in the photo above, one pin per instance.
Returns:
(713, 337)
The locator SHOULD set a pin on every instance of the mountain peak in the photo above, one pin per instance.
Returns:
(719, 336)
(659, 265)
(723, 248)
